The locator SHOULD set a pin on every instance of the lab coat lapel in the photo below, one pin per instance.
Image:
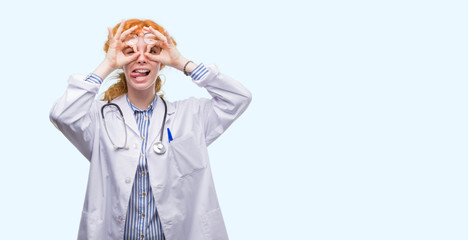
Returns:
(128, 113)
(157, 119)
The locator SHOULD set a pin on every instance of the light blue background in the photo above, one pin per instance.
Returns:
(357, 128)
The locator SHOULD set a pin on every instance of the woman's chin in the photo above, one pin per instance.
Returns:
(140, 80)
(140, 83)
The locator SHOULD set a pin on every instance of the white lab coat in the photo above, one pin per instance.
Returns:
(181, 178)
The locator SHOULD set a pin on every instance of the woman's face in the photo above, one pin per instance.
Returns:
(141, 74)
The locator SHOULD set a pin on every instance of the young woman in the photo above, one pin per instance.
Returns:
(150, 175)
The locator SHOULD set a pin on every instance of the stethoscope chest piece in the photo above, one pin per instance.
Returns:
(159, 148)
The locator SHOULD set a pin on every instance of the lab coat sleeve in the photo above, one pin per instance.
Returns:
(229, 100)
(75, 113)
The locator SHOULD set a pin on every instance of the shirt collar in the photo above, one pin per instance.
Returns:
(136, 109)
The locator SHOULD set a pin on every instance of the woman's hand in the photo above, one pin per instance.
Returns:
(115, 57)
(168, 54)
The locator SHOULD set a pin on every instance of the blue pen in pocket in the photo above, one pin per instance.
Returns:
(169, 135)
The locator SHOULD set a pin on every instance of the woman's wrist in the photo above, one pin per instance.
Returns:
(179, 63)
(185, 65)
(104, 69)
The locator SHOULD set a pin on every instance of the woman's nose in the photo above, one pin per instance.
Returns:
(142, 58)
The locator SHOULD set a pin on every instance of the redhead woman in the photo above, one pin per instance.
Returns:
(150, 175)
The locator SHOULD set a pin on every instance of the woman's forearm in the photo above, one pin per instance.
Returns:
(103, 70)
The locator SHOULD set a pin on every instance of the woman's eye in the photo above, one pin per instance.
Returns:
(128, 51)
(155, 50)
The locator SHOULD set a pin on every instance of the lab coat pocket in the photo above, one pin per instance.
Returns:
(90, 226)
(213, 225)
(187, 155)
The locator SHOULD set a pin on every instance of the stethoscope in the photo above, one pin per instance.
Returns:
(158, 147)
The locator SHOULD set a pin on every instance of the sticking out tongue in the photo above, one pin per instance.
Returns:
(139, 74)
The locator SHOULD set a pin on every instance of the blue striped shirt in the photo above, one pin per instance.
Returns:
(199, 72)
(142, 221)
(93, 78)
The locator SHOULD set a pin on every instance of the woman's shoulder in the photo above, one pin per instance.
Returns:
(191, 104)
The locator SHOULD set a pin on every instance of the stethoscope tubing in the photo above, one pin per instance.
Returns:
(158, 146)
(164, 121)
(123, 122)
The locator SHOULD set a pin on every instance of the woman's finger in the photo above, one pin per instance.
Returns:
(148, 48)
(128, 31)
(156, 44)
(120, 29)
(110, 36)
(168, 37)
(135, 49)
(157, 34)
(152, 57)
(133, 57)
(126, 59)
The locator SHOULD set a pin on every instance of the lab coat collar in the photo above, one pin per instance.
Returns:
(156, 118)
(137, 109)
(127, 113)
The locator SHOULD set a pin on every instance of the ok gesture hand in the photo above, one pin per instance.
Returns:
(168, 54)
(115, 57)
